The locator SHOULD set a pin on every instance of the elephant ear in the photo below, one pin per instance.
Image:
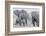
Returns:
(16, 12)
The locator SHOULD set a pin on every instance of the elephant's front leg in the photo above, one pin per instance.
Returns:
(20, 22)
(26, 20)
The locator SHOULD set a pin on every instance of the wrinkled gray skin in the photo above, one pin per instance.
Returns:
(22, 16)
(35, 18)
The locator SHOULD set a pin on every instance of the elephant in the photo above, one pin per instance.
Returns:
(35, 18)
(22, 17)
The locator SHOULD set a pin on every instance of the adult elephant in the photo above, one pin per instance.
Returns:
(22, 17)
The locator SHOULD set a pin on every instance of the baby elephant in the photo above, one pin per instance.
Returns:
(35, 18)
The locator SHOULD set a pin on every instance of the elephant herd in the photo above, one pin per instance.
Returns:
(23, 16)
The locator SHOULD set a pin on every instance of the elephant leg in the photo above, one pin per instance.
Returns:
(20, 22)
(37, 23)
(17, 22)
(23, 24)
(33, 23)
(26, 20)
